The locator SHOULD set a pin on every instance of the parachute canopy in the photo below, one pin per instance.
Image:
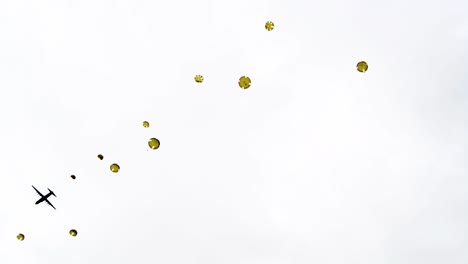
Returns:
(362, 66)
(115, 167)
(153, 143)
(244, 82)
(73, 232)
(198, 78)
(269, 25)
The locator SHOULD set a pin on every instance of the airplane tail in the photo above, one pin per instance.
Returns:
(51, 192)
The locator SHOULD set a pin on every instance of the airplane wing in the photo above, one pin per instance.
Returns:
(50, 204)
(38, 192)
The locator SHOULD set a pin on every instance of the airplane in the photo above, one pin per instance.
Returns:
(44, 197)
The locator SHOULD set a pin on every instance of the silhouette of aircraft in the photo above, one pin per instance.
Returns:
(44, 197)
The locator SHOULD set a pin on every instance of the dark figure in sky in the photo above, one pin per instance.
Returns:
(44, 197)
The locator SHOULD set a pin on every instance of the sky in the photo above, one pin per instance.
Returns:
(314, 163)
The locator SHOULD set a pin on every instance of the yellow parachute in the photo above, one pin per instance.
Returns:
(114, 167)
(198, 78)
(362, 66)
(269, 25)
(73, 232)
(244, 82)
(153, 143)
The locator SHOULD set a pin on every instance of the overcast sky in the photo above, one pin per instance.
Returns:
(314, 163)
